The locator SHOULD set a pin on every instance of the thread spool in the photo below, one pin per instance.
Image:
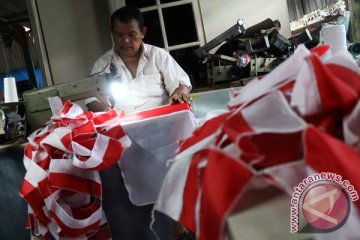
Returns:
(335, 36)
(10, 91)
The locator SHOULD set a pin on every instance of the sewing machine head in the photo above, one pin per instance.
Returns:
(37, 106)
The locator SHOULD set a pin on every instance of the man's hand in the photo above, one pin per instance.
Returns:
(97, 106)
(180, 95)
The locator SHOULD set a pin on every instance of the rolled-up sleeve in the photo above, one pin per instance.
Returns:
(172, 73)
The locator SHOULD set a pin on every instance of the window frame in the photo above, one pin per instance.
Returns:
(115, 4)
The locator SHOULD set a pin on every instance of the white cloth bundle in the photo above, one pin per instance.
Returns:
(335, 36)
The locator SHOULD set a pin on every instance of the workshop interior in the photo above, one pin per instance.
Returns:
(47, 50)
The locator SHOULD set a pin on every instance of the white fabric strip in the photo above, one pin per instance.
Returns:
(145, 163)
(97, 153)
(344, 59)
(54, 140)
(272, 113)
(351, 125)
(80, 150)
(66, 166)
(64, 215)
(171, 193)
(35, 174)
(305, 95)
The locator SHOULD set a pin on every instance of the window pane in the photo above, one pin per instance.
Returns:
(188, 62)
(168, 1)
(179, 29)
(153, 35)
(140, 3)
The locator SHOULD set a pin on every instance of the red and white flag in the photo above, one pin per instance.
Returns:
(201, 197)
(62, 185)
(271, 128)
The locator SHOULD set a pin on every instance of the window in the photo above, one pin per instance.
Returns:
(176, 26)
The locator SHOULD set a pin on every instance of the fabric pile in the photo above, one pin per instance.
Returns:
(62, 185)
(302, 118)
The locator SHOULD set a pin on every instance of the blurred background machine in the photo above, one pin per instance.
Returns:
(246, 52)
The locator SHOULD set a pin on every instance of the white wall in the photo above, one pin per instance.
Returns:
(219, 15)
(75, 33)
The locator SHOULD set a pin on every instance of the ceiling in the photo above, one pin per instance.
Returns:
(14, 11)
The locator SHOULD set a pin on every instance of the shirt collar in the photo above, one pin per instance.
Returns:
(144, 51)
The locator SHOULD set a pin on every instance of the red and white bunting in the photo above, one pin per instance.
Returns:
(62, 185)
(293, 120)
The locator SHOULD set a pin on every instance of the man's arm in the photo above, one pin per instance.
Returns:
(176, 80)
(97, 106)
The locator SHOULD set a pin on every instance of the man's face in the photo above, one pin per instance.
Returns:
(127, 38)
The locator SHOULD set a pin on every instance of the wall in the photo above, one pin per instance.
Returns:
(220, 15)
(75, 34)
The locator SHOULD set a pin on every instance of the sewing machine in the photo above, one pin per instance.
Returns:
(37, 106)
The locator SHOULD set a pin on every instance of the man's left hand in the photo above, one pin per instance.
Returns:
(180, 95)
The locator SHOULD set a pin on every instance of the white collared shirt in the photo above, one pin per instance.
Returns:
(157, 76)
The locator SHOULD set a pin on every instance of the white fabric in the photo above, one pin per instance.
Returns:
(156, 70)
(345, 59)
(170, 200)
(144, 163)
(351, 127)
(272, 113)
(65, 166)
(335, 36)
(305, 95)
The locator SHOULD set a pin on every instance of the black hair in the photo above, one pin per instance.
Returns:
(126, 14)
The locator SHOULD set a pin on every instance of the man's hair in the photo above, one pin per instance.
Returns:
(126, 14)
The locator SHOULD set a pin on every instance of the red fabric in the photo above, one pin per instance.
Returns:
(32, 196)
(258, 149)
(102, 234)
(74, 232)
(327, 154)
(236, 125)
(72, 135)
(204, 131)
(50, 143)
(223, 181)
(155, 112)
(86, 210)
(335, 92)
(244, 145)
(106, 116)
(321, 50)
(112, 154)
(191, 191)
(74, 183)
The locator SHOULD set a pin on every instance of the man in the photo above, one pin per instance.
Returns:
(150, 77)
